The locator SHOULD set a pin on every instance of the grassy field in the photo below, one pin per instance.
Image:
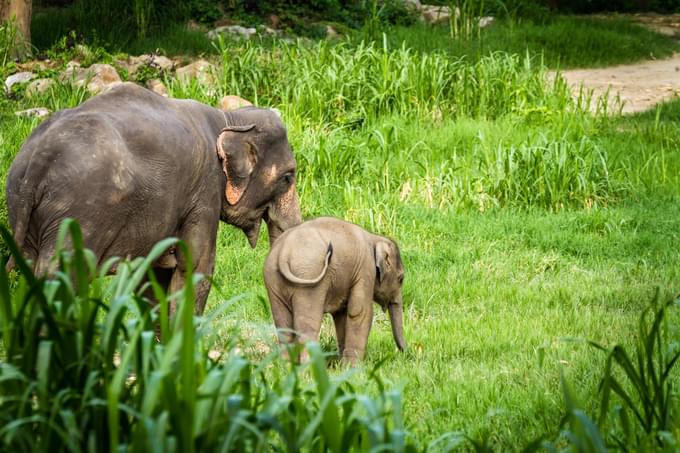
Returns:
(527, 225)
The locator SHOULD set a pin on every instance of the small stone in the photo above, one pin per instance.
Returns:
(235, 31)
(200, 70)
(37, 112)
(486, 21)
(39, 86)
(192, 25)
(19, 77)
(157, 87)
(232, 102)
(413, 5)
(331, 33)
(161, 62)
(432, 14)
(98, 78)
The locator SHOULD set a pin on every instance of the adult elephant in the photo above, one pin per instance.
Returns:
(134, 167)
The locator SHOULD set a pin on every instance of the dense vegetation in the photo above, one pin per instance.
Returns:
(528, 225)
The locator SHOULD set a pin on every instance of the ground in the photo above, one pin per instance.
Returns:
(638, 86)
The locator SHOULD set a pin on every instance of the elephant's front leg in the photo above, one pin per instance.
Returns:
(358, 321)
(200, 237)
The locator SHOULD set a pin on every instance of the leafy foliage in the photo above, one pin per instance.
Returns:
(81, 370)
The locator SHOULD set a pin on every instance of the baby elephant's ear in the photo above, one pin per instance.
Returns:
(382, 259)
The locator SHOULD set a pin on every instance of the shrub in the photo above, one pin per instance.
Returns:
(81, 370)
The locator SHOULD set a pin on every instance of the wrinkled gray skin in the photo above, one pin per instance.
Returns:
(134, 167)
(328, 265)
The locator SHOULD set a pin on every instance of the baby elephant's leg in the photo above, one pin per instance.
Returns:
(308, 310)
(358, 321)
(283, 316)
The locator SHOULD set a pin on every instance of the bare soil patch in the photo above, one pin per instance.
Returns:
(638, 86)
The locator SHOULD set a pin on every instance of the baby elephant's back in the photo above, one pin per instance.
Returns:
(304, 248)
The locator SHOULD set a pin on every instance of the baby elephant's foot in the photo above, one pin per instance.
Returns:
(352, 356)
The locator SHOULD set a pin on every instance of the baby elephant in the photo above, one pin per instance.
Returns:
(328, 265)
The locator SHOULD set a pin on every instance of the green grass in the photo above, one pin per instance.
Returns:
(527, 224)
(563, 41)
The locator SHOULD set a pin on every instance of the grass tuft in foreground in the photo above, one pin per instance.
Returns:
(81, 370)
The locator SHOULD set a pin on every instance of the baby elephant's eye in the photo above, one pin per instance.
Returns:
(401, 279)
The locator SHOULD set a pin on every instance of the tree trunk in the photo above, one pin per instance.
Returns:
(18, 11)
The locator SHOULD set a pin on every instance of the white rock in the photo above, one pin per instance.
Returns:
(331, 32)
(413, 5)
(433, 14)
(39, 86)
(19, 77)
(235, 31)
(486, 21)
(37, 112)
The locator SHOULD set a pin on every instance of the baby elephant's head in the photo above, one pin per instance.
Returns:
(387, 292)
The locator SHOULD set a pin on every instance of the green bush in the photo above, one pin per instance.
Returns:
(81, 369)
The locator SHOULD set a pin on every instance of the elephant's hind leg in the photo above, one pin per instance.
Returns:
(282, 314)
(308, 310)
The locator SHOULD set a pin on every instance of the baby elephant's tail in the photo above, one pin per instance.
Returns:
(284, 268)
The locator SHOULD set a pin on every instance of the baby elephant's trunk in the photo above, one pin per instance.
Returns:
(396, 309)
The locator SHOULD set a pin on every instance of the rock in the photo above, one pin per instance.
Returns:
(486, 21)
(19, 77)
(413, 5)
(37, 112)
(274, 21)
(232, 102)
(192, 25)
(162, 62)
(157, 86)
(268, 31)
(200, 70)
(33, 66)
(39, 86)
(433, 14)
(132, 64)
(69, 73)
(235, 31)
(99, 78)
(331, 33)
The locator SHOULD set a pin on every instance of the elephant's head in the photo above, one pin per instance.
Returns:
(260, 174)
(388, 282)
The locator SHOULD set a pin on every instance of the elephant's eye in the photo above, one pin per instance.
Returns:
(288, 178)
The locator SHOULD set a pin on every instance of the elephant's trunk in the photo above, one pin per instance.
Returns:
(396, 310)
(283, 214)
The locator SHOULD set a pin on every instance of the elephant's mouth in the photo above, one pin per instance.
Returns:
(252, 231)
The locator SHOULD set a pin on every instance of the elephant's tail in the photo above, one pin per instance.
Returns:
(284, 268)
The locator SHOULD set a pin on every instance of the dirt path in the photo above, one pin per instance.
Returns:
(639, 86)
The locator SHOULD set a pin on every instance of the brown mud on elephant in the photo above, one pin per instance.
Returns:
(133, 167)
(328, 265)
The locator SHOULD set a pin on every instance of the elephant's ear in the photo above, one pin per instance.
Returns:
(238, 157)
(382, 259)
